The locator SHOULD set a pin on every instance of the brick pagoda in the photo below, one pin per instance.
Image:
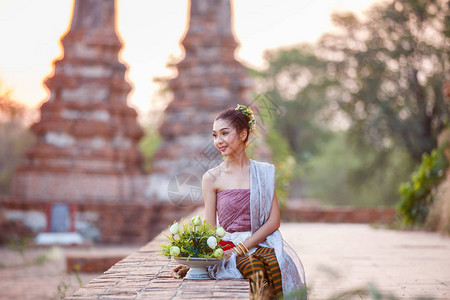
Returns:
(209, 80)
(86, 147)
(86, 152)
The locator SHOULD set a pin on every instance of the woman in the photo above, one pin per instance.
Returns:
(241, 193)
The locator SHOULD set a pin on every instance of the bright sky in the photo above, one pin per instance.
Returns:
(30, 32)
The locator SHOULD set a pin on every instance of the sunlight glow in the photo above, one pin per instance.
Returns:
(151, 31)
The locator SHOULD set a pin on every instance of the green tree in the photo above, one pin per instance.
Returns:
(391, 65)
(342, 174)
(419, 193)
(297, 79)
(380, 76)
(148, 145)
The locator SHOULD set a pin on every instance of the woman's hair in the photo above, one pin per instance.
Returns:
(237, 120)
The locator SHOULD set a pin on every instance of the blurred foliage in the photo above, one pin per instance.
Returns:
(148, 145)
(420, 191)
(283, 175)
(63, 287)
(344, 175)
(363, 103)
(15, 234)
(284, 163)
(267, 110)
(15, 138)
(21, 244)
(390, 67)
(297, 79)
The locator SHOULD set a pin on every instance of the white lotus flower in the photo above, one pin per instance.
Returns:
(220, 232)
(175, 228)
(218, 253)
(212, 242)
(174, 251)
(196, 221)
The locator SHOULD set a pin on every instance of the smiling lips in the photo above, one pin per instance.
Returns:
(222, 148)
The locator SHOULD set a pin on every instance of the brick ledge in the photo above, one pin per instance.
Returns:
(146, 275)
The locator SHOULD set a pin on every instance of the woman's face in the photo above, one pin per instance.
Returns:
(226, 139)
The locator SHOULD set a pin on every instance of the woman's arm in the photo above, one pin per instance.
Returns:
(272, 224)
(209, 197)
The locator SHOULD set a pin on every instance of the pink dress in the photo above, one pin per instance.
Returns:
(233, 210)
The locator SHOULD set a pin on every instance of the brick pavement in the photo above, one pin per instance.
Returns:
(342, 257)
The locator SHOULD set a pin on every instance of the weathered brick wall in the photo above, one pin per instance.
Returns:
(338, 214)
(135, 223)
(116, 222)
(75, 186)
(90, 263)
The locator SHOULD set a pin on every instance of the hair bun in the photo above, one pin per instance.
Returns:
(248, 112)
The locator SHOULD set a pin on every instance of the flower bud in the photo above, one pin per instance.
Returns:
(218, 253)
(174, 251)
(220, 232)
(175, 228)
(196, 221)
(212, 242)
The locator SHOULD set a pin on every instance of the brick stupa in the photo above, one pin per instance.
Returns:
(209, 80)
(87, 137)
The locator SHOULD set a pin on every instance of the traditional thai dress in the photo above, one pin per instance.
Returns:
(241, 212)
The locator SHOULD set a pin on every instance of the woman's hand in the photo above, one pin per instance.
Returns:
(227, 254)
(180, 271)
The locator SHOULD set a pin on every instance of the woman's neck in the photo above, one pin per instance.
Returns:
(238, 160)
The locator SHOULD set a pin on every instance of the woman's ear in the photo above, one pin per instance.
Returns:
(243, 134)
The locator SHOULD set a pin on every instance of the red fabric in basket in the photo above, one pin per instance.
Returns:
(226, 245)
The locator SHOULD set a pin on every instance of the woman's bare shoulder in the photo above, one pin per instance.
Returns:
(210, 176)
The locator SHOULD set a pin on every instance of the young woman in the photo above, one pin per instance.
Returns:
(240, 193)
